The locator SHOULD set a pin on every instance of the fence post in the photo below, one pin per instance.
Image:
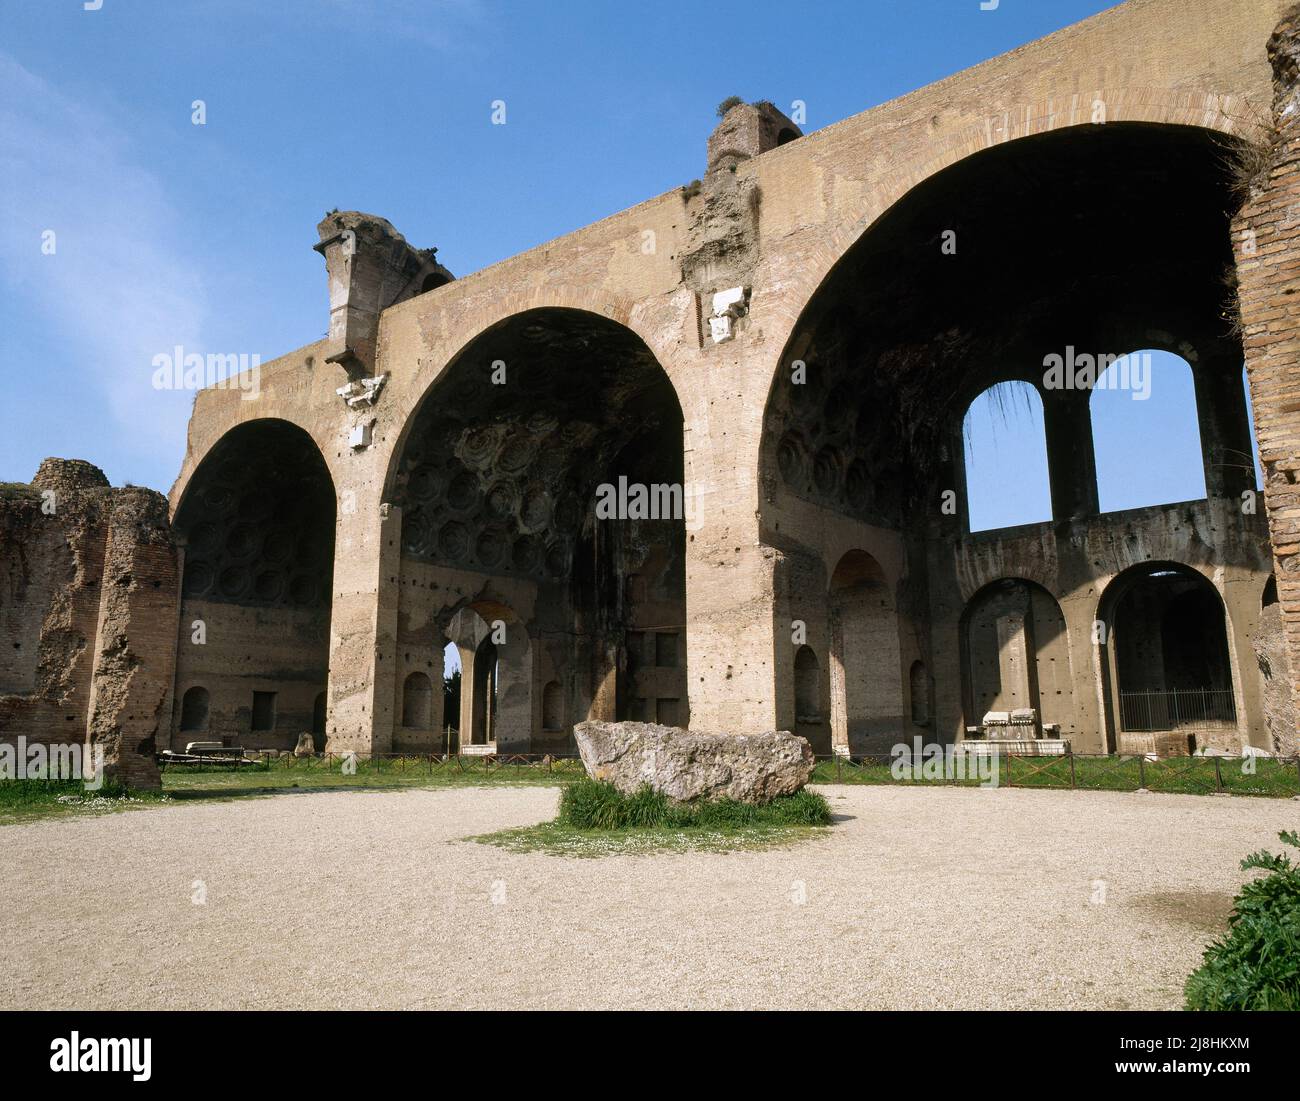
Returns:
(837, 766)
(1073, 785)
(1142, 770)
(1218, 774)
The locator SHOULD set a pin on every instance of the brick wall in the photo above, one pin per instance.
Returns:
(1266, 237)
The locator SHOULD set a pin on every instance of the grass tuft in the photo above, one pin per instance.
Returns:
(596, 819)
(23, 800)
(591, 805)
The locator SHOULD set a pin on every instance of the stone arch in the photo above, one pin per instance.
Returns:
(257, 521)
(864, 411)
(1166, 661)
(417, 702)
(1015, 654)
(497, 675)
(866, 679)
(194, 710)
(498, 475)
(1224, 115)
(809, 718)
(464, 329)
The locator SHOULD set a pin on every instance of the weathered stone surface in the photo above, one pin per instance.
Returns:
(306, 746)
(687, 765)
(1274, 664)
(88, 598)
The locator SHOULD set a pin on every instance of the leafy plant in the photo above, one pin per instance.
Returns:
(728, 103)
(1256, 965)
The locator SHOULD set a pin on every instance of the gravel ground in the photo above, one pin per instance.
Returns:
(918, 898)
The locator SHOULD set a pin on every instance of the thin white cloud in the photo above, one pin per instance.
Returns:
(119, 289)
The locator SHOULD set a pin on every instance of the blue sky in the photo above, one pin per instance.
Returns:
(169, 233)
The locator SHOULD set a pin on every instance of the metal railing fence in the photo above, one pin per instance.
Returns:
(1175, 708)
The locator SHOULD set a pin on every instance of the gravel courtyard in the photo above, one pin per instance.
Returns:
(917, 898)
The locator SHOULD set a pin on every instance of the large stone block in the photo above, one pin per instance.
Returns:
(687, 765)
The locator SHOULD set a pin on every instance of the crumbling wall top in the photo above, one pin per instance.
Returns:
(370, 267)
(69, 474)
(748, 130)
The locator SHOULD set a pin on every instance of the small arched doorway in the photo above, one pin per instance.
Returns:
(1016, 656)
(866, 684)
(809, 722)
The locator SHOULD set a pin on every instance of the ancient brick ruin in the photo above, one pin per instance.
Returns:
(89, 578)
(792, 344)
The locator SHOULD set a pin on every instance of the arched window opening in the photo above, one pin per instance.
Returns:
(1171, 652)
(807, 686)
(194, 710)
(433, 281)
(1006, 458)
(866, 676)
(1145, 432)
(552, 707)
(417, 702)
(919, 687)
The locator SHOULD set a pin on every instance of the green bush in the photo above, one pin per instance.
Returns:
(591, 805)
(1256, 965)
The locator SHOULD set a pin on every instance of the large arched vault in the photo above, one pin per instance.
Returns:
(497, 480)
(257, 521)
